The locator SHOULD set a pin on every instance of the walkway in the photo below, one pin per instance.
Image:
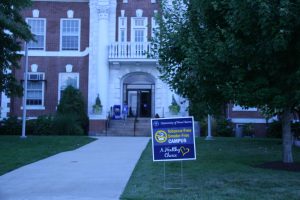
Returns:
(97, 171)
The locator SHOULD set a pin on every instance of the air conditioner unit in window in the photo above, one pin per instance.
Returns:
(35, 77)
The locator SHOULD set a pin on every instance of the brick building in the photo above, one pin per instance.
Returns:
(100, 47)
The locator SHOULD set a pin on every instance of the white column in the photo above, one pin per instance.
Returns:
(209, 136)
(103, 67)
(98, 60)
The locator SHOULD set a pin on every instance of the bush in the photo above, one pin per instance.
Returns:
(274, 130)
(224, 127)
(43, 125)
(11, 126)
(248, 130)
(219, 127)
(72, 104)
(66, 124)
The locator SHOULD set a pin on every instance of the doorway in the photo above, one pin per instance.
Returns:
(139, 102)
(138, 94)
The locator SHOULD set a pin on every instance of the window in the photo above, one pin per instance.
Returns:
(70, 34)
(67, 79)
(139, 35)
(38, 29)
(139, 29)
(35, 89)
(122, 29)
(154, 26)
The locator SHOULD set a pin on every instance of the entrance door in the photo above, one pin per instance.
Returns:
(132, 100)
(139, 102)
(145, 103)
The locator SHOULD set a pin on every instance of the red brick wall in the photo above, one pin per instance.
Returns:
(130, 8)
(52, 66)
(53, 12)
(97, 127)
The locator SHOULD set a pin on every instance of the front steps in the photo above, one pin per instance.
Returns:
(129, 127)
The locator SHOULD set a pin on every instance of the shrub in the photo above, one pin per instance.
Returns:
(61, 124)
(174, 107)
(11, 126)
(274, 130)
(44, 125)
(219, 127)
(224, 127)
(72, 104)
(66, 124)
(248, 130)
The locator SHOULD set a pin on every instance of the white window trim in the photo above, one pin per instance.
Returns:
(122, 27)
(133, 27)
(153, 26)
(45, 32)
(60, 37)
(37, 107)
(59, 81)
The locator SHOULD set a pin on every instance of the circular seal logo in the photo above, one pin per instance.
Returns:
(161, 136)
(156, 123)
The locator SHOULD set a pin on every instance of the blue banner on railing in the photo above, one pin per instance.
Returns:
(173, 139)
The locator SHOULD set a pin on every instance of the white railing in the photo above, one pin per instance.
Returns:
(129, 50)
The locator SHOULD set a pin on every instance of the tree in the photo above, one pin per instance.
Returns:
(72, 104)
(244, 52)
(13, 31)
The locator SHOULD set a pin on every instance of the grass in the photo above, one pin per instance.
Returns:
(224, 170)
(16, 152)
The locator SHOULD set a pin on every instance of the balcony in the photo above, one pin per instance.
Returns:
(130, 51)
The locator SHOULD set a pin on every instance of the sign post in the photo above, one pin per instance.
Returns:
(173, 139)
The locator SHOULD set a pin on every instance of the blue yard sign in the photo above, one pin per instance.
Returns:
(173, 139)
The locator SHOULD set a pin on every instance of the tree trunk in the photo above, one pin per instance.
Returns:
(287, 137)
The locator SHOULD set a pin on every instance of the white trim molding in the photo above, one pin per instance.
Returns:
(37, 53)
(239, 108)
(250, 120)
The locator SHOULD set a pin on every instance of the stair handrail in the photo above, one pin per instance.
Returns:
(134, 125)
(107, 122)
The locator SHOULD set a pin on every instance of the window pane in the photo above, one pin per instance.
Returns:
(69, 81)
(70, 34)
(139, 22)
(70, 42)
(34, 85)
(34, 93)
(139, 36)
(37, 27)
(122, 35)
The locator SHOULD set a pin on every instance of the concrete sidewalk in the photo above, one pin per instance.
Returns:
(97, 171)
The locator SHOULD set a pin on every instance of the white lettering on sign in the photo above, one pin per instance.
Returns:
(172, 141)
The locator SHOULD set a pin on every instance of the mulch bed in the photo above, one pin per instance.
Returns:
(278, 165)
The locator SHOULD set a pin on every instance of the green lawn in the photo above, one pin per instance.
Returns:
(16, 152)
(224, 169)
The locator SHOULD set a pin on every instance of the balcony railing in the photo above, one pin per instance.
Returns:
(129, 50)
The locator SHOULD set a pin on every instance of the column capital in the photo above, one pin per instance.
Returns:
(103, 11)
(101, 7)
